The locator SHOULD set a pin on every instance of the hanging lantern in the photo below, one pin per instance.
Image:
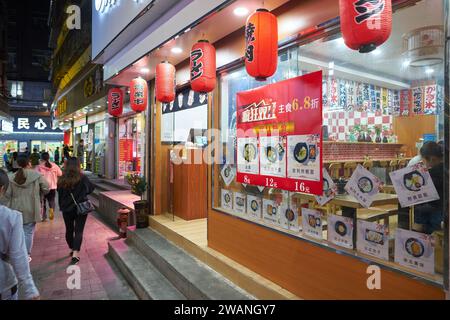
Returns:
(138, 94)
(261, 44)
(203, 67)
(115, 102)
(365, 24)
(165, 82)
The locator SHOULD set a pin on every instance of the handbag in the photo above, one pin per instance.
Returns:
(83, 208)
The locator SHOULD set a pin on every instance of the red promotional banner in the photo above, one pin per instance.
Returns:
(279, 135)
(125, 149)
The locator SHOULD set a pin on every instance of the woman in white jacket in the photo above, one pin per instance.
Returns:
(14, 266)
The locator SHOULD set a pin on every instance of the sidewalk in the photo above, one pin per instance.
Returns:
(100, 280)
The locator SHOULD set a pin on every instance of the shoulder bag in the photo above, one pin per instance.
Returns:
(83, 208)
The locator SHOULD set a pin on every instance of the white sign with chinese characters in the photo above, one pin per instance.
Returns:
(363, 185)
(247, 157)
(239, 202)
(227, 199)
(312, 223)
(289, 215)
(329, 189)
(271, 211)
(273, 156)
(303, 158)
(254, 206)
(414, 250)
(340, 231)
(413, 185)
(372, 239)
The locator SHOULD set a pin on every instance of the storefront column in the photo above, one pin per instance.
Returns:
(110, 151)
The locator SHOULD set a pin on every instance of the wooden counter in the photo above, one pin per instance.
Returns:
(190, 186)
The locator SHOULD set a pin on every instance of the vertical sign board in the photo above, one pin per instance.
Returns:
(279, 135)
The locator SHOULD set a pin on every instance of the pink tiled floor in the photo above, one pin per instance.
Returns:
(100, 280)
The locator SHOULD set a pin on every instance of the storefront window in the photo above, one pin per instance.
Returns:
(131, 145)
(6, 145)
(379, 110)
(99, 148)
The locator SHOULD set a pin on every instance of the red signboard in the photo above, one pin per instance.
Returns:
(279, 135)
(125, 149)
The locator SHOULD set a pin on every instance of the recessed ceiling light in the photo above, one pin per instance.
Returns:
(145, 70)
(99, 106)
(429, 71)
(176, 50)
(187, 30)
(240, 11)
(44, 104)
(376, 52)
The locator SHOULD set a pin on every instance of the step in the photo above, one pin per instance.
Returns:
(115, 185)
(191, 277)
(144, 278)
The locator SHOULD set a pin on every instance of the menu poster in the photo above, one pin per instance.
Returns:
(247, 157)
(312, 223)
(227, 199)
(303, 159)
(273, 156)
(414, 250)
(125, 149)
(417, 100)
(281, 122)
(363, 186)
(334, 94)
(329, 189)
(373, 239)
(228, 173)
(254, 206)
(239, 202)
(430, 99)
(413, 185)
(404, 102)
(340, 231)
(289, 213)
(271, 211)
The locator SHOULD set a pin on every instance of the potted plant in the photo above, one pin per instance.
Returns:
(378, 133)
(385, 134)
(138, 187)
(358, 130)
(368, 134)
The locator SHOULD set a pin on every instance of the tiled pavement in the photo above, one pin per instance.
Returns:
(100, 279)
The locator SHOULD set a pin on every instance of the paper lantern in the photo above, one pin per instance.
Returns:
(261, 44)
(165, 82)
(365, 24)
(138, 94)
(203, 67)
(115, 102)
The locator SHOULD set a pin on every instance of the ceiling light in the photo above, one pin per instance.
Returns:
(176, 50)
(341, 40)
(44, 104)
(145, 70)
(406, 63)
(376, 52)
(187, 30)
(90, 110)
(429, 71)
(99, 106)
(240, 11)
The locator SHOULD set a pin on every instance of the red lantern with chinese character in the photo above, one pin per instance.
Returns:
(138, 94)
(203, 67)
(115, 102)
(261, 44)
(165, 82)
(365, 24)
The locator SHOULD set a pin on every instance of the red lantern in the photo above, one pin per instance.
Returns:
(365, 24)
(203, 67)
(165, 82)
(261, 44)
(138, 94)
(115, 102)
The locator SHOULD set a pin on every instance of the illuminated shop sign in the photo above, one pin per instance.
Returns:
(32, 124)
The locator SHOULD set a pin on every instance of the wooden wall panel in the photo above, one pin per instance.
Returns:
(410, 129)
(307, 270)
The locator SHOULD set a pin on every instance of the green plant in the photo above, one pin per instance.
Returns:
(378, 129)
(137, 182)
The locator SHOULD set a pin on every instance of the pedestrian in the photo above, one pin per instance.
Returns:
(73, 186)
(66, 152)
(23, 195)
(57, 155)
(27, 151)
(7, 159)
(51, 172)
(14, 265)
(80, 152)
(35, 157)
(14, 165)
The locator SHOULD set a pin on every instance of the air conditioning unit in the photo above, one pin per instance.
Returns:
(424, 47)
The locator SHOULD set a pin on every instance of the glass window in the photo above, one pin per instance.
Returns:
(382, 112)
(131, 145)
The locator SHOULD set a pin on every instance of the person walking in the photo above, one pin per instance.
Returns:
(56, 156)
(7, 159)
(73, 186)
(35, 157)
(14, 165)
(14, 265)
(51, 172)
(66, 154)
(23, 195)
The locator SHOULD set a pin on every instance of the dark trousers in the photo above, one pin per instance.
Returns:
(50, 197)
(74, 229)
